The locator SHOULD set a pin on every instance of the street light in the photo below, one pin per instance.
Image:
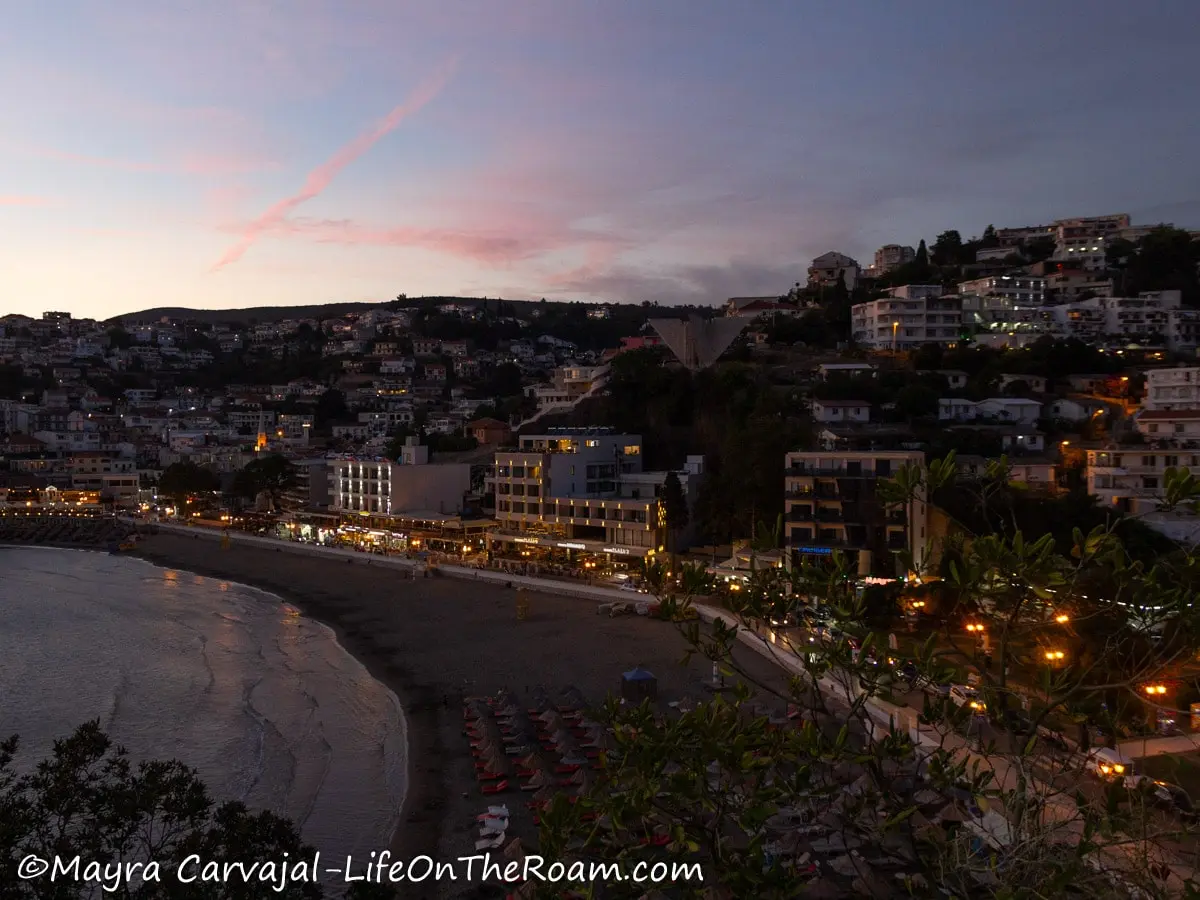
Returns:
(975, 629)
(1155, 689)
(1062, 618)
(1054, 655)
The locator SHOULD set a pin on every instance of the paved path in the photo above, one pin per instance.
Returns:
(1180, 743)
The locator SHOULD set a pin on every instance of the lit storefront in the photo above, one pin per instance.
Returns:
(554, 549)
(40, 501)
(414, 533)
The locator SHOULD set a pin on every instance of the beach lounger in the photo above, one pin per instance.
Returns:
(489, 776)
(495, 787)
(490, 843)
(490, 831)
(495, 812)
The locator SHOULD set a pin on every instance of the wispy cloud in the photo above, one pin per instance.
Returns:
(321, 177)
(493, 249)
(23, 200)
(688, 284)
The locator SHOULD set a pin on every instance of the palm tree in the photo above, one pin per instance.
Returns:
(766, 539)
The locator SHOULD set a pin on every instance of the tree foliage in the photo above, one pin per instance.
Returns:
(890, 800)
(90, 800)
(272, 474)
(182, 480)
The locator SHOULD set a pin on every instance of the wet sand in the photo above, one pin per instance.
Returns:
(433, 641)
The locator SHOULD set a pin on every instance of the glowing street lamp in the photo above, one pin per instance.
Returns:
(1155, 690)
(975, 629)
(1062, 618)
(1054, 655)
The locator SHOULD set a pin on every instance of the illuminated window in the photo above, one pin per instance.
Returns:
(592, 444)
(632, 450)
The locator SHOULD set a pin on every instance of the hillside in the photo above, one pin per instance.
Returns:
(271, 313)
(252, 314)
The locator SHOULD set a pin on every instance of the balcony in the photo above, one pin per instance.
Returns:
(800, 469)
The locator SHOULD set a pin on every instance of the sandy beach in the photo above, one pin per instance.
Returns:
(433, 641)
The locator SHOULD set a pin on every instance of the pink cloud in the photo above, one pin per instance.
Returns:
(321, 177)
(485, 247)
(22, 200)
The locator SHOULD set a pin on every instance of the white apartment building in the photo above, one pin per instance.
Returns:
(401, 488)
(831, 506)
(1147, 315)
(891, 256)
(582, 490)
(1080, 243)
(1131, 480)
(825, 371)
(1033, 472)
(1183, 329)
(843, 411)
(828, 268)
(1016, 237)
(1002, 321)
(567, 385)
(914, 315)
(1177, 387)
(1014, 410)
(1029, 290)
(397, 366)
(1174, 425)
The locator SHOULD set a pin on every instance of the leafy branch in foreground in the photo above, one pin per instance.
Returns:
(857, 770)
(89, 800)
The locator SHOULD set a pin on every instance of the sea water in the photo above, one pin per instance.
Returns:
(230, 680)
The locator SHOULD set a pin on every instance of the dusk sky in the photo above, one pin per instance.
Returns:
(226, 154)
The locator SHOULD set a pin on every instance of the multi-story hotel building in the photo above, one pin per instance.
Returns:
(891, 256)
(1029, 290)
(1080, 242)
(1177, 387)
(1130, 479)
(582, 490)
(914, 315)
(402, 488)
(832, 505)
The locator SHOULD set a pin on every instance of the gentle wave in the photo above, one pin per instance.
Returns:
(231, 680)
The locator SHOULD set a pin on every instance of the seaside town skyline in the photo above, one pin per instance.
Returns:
(233, 156)
(751, 444)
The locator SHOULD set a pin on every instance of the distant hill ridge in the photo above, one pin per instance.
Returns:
(276, 313)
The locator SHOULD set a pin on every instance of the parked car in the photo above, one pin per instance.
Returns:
(1108, 764)
(632, 588)
(964, 695)
(1173, 798)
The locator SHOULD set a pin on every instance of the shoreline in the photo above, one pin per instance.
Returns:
(421, 729)
(430, 642)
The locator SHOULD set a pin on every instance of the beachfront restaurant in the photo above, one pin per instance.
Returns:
(549, 550)
(49, 499)
(413, 532)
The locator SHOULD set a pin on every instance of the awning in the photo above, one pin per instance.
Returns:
(556, 543)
